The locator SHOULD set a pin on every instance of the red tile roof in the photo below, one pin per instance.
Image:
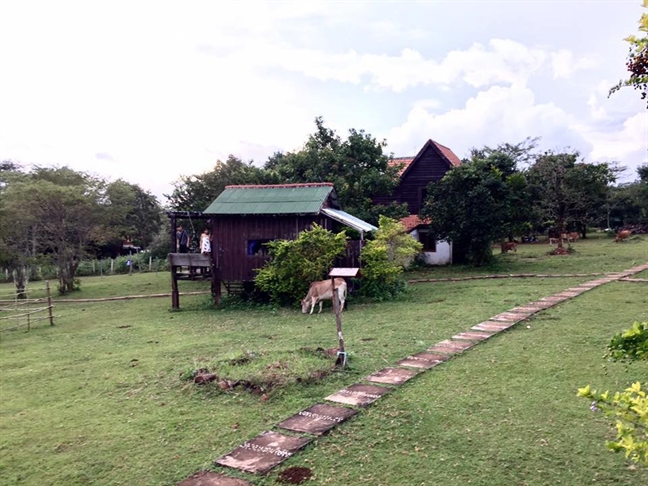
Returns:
(445, 152)
(413, 221)
(405, 161)
(448, 154)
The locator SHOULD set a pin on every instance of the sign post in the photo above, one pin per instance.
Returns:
(343, 273)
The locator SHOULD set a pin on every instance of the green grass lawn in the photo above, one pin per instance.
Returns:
(99, 399)
(595, 254)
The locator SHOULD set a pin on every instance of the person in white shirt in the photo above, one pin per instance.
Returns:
(205, 242)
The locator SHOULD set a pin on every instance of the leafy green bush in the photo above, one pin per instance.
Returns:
(385, 258)
(629, 407)
(294, 264)
(630, 345)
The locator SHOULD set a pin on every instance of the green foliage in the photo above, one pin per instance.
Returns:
(629, 407)
(196, 192)
(568, 192)
(481, 201)
(131, 213)
(385, 258)
(358, 168)
(631, 344)
(294, 264)
(637, 62)
(57, 216)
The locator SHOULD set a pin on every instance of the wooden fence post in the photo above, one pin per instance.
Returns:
(112, 266)
(49, 303)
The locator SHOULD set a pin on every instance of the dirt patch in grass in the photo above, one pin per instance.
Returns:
(561, 251)
(260, 373)
(294, 475)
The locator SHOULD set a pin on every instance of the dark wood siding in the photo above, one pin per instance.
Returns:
(231, 234)
(429, 167)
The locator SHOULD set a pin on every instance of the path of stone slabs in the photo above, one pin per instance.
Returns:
(270, 448)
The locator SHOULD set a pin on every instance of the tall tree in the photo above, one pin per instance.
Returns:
(196, 192)
(637, 62)
(17, 243)
(61, 211)
(566, 191)
(358, 167)
(132, 212)
(475, 204)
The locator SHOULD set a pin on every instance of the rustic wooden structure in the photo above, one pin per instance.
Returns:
(416, 173)
(191, 266)
(244, 218)
(429, 165)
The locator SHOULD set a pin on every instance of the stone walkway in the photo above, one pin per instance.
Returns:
(270, 448)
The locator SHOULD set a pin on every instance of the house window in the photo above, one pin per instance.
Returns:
(257, 247)
(428, 241)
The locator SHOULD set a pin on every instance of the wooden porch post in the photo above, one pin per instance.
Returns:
(173, 234)
(175, 295)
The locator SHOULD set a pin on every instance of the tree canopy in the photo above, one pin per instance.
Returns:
(196, 192)
(637, 62)
(357, 166)
(566, 191)
(477, 203)
(59, 214)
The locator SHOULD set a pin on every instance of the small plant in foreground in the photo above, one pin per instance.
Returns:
(630, 345)
(629, 407)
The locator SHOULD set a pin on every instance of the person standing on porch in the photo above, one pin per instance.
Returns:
(182, 240)
(205, 242)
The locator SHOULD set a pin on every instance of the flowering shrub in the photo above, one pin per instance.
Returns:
(629, 407)
(384, 259)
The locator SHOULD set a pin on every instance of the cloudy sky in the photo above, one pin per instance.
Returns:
(150, 90)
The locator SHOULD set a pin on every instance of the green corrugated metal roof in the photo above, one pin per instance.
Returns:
(273, 199)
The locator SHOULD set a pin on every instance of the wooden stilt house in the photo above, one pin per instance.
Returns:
(244, 218)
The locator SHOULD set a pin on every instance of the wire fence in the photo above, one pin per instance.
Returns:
(18, 310)
(137, 263)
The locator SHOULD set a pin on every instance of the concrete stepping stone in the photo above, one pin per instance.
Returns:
(525, 309)
(553, 298)
(423, 360)
(455, 345)
(492, 326)
(262, 453)
(209, 478)
(509, 317)
(317, 419)
(472, 336)
(392, 376)
(541, 305)
(358, 395)
(569, 293)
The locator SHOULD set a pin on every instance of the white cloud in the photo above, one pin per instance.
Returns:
(564, 65)
(502, 61)
(499, 114)
(627, 143)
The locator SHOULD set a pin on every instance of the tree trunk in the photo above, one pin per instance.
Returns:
(21, 278)
(560, 226)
